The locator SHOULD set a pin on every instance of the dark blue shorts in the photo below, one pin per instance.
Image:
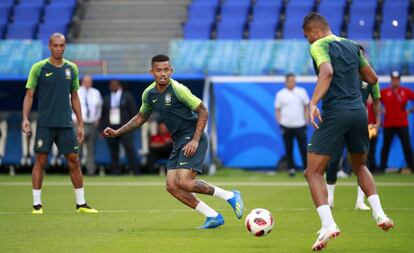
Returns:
(178, 160)
(64, 137)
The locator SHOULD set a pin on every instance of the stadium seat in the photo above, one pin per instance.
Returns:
(205, 2)
(360, 30)
(203, 13)
(26, 13)
(2, 30)
(333, 11)
(268, 3)
(238, 2)
(21, 30)
(230, 30)
(64, 2)
(266, 13)
(4, 14)
(394, 29)
(37, 3)
(197, 30)
(45, 30)
(222, 60)
(296, 11)
(293, 30)
(234, 13)
(362, 12)
(57, 12)
(371, 3)
(6, 3)
(262, 29)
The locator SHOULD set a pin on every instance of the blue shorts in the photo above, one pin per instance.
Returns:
(64, 137)
(178, 160)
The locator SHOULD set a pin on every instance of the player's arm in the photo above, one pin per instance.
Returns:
(278, 115)
(28, 98)
(201, 121)
(322, 86)
(366, 72)
(137, 121)
(76, 107)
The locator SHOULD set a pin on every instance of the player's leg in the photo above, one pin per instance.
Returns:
(331, 177)
(287, 134)
(367, 184)
(303, 142)
(187, 169)
(404, 136)
(213, 218)
(43, 142)
(68, 145)
(388, 135)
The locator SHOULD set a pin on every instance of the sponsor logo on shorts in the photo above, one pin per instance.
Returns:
(76, 147)
(39, 143)
(183, 163)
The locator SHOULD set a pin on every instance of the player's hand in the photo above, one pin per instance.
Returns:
(190, 148)
(372, 130)
(313, 114)
(80, 134)
(109, 132)
(26, 127)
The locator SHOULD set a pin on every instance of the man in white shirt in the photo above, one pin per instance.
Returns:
(291, 109)
(91, 104)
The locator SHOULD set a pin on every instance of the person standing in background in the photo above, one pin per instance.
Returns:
(118, 107)
(91, 104)
(395, 99)
(291, 110)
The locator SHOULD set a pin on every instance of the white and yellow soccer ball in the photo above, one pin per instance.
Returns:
(259, 222)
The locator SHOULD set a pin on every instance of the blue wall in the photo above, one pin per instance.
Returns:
(248, 135)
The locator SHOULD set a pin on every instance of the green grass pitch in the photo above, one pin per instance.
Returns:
(138, 215)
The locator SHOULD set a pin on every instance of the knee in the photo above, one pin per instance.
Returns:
(73, 160)
(310, 172)
(183, 184)
(171, 188)
(41, 162)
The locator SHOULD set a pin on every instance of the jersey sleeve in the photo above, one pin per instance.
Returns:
(375, 91)
(33, 76)
(146, 107)
(362, 60)
(319, 53)
(75, 82)
(185, 96)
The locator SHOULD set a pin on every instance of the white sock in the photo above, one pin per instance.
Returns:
(375, 203)
(204, 209)
(331, 192)
(325, 214)
(36, 197)
(223, 194)
(80, 196)
(360, 195)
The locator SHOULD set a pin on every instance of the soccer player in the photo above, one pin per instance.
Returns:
(331, 172)
(54, 79)
(185, 117)
(339, 64)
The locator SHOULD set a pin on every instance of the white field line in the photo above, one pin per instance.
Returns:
(253, 183)
(189, 210)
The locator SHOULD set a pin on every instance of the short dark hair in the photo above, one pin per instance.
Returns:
(289, 75)
(159, 58)
(314, 17)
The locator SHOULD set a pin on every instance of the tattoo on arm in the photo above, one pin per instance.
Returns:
(136, 121)
(201, 122)
(203, 187)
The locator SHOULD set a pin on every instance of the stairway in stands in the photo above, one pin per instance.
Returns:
(131, 31)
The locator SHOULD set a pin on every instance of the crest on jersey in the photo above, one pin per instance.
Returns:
(168, 98)
(39, 143)
(68, 73)
(364, 85)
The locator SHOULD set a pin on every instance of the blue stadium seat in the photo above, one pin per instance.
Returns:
(332, 10)
(238, 2)
(262, 29)
(293, 30)
(2, 30)
(197, 30)
(393, 29)
(394, 20)
(296, 11)
(21, 30)
(205, 2)
(57, 12)
(45, 30)
(6, 3)
(234, 13)
(268, 2)
(201, 13)
(371, 3)
(38, 3)
(64, 2)
(26, 13)
(335, 26)
(360, 30)
(230, 30)
(4, 14)
(266, 13)
(362, 12)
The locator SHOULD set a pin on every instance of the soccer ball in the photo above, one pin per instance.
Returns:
(259, 222)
